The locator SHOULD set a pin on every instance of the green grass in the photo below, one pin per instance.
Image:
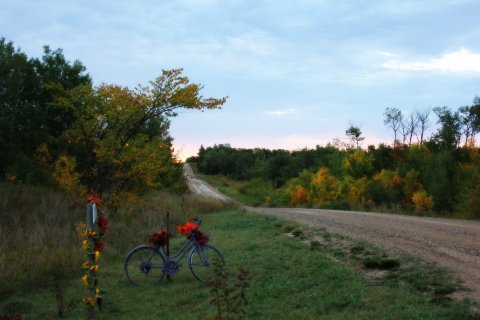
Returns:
(310, 274)
(255, 192)
(232, 188)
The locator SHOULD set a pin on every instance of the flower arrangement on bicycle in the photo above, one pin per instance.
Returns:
(190, 228)
(160, 238)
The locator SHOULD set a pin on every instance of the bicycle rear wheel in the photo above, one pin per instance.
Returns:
(206, 262)
(143, 265)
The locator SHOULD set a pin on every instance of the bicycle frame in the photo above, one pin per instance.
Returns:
(187, 247)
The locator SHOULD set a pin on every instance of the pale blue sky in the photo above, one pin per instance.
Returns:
(297, 73)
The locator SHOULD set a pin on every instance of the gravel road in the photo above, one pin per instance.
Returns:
(452, 244)
(200, 187)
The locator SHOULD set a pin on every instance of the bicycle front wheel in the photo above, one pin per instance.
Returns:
(143, 265)
(206, 262)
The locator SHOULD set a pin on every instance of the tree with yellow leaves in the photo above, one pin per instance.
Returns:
(119, 141)
(324, 187)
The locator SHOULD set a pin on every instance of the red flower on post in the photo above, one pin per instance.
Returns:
(102, 224)
(95, 199)
(98, 245)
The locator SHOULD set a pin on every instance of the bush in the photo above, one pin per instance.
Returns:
(381, 264)
(422, 201)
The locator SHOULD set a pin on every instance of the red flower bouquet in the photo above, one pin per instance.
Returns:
(187, 229)
(192, 227)
(159, 239)
(98, 245)
(102, 224)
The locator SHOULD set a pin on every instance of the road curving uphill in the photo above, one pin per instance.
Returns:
(452, 244)
(202, 188)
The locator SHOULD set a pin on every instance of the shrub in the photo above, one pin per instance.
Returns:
(381, 264)
(299, 196)
(422, 201)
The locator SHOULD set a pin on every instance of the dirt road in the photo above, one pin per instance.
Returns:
(200, 187)
(452, 244)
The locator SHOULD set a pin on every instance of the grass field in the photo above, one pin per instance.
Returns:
(296, 273)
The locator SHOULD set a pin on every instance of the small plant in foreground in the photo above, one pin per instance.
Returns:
(229, 294)
(314, 244)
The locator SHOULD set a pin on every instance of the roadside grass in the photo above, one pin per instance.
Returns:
(297, 273)
(233, 189)
(253, 192)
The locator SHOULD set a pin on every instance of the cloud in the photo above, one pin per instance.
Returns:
(256, 42)
(383, 53)
(462, 60)
(280, 113)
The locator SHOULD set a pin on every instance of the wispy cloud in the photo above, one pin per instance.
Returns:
(461, 60)
(280, 113)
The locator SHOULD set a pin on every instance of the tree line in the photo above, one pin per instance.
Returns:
(57, 129)
(436, 174)
(453, 125)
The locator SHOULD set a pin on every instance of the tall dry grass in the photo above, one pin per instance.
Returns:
(39, 244)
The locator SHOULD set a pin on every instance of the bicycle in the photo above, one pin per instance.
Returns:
(145, 261)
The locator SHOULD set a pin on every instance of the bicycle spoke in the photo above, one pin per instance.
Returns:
(144, 265)
(206, 263)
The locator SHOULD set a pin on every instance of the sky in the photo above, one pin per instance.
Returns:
(297, 73)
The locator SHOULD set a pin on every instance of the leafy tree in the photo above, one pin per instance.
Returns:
(443, 183)
(469, 199)
(393, 119)
(355, 135)
(119, 138)
(385, 187)
(449, 134)
(470, 121)
(358, 164)
(324, 187)
(28, 116)
(383, 156)
(354, 191)
(412, 184)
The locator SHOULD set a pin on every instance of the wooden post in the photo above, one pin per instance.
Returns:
(168, 238)
(91, 219)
